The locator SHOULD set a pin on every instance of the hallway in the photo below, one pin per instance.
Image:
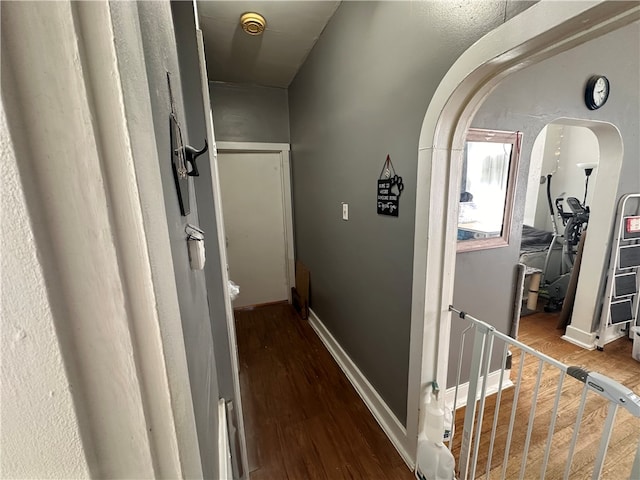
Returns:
(303, 418)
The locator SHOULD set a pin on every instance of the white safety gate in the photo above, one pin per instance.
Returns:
(508, 440)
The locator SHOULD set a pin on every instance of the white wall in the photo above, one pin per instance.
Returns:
(112, 324)
(533, 182)
(565, 146)
(581, 147)
(549, 165)
(40, 432)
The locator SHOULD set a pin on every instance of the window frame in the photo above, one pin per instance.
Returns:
(497, 136)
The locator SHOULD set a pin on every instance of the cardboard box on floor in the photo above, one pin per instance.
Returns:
(300, 293)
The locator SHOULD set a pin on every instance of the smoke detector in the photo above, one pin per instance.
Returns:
(253, 23)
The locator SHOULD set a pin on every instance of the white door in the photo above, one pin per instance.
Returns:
(252, 204)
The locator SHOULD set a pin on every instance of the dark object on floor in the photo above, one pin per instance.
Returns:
(570, 298)
(300, 293)
(301, 306)
(553, 306)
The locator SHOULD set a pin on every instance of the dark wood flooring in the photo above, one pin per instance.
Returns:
(539, 331)
(303, 419)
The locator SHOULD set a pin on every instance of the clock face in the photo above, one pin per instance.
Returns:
(600, 92)
(597, 91)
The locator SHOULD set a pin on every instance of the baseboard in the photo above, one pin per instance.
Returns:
(580, 338)
(224, 451)
(260, 305)
(493, 386)
(589, 341)
(374, 402)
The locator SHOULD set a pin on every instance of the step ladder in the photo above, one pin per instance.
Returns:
(621, 299)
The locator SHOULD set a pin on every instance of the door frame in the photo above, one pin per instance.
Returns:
(284, 150)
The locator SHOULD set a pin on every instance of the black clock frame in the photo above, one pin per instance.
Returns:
(588, 92)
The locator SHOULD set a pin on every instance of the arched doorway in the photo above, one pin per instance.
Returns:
(569, 144)
(529, 38)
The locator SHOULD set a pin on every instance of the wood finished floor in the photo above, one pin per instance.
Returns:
(539, 331)
(303, 419)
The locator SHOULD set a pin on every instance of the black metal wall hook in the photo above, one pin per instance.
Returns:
(190, 156)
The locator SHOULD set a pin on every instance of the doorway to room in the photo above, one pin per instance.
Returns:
(256, 203)
(564, 165)
(568, 217)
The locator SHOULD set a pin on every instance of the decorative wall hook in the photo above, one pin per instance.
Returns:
(191, 154)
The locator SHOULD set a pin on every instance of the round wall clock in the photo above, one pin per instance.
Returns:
(597, 92)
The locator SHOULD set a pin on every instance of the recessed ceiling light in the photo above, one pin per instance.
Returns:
(253, 23)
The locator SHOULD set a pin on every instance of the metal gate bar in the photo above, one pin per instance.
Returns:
(513, 417)
(576, 429)
(552, 426)
(532, 417)
(483, 345)
(505, 353)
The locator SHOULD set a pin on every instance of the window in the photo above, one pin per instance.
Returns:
(489, 167)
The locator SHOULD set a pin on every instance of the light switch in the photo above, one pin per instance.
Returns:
(345, 211)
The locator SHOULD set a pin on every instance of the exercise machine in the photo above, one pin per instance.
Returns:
(575, 219)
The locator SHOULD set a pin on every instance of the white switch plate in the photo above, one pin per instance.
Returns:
(345, 211)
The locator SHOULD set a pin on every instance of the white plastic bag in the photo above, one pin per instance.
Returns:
(234, 290)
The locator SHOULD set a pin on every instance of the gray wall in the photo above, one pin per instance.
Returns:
(184, 21)
(249, 113)
(159, 43)
(527, 101)
(362, 94)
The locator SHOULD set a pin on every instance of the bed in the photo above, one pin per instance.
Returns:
(534, 246)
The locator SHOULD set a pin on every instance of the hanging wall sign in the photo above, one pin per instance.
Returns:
(390, 187)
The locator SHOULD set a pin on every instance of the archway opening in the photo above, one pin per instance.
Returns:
(578, 160)
(526, 40)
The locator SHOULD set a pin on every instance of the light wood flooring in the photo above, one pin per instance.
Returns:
(303, 419)
(539, 331)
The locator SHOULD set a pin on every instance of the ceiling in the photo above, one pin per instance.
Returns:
(271, 59)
